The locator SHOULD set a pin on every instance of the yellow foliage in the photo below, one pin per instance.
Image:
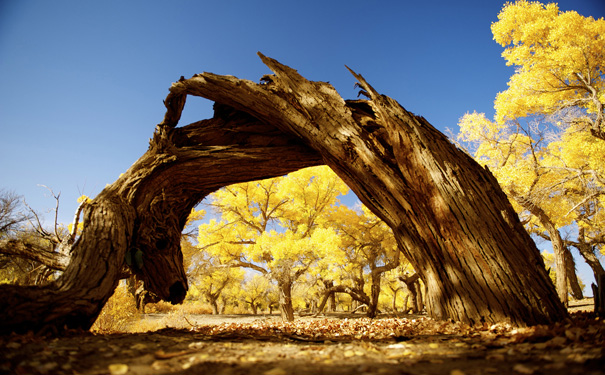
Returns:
(118, 312)
(274, 223)
(84, 198)
(560, 59)
(544, 145)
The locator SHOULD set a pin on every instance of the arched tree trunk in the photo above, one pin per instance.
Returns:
(447, 213)
(146, 209)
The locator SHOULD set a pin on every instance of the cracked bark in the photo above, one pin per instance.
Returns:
(146, 208)
(448, 214)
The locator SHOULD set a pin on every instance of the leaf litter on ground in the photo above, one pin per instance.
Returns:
(314, 345)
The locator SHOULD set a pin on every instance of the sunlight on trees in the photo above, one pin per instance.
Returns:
(295, 234)
(546, 143)
(368, 249)
(560, 59)
(275, 227)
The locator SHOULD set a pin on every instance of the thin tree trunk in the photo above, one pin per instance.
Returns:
(555, 239)
(572, 276)
(374, 295)
(285, 300)
(411, 282)
(405, 303)
(212, 300)
(394, 302)
(420, 293)
(332, 301)
(588, 254)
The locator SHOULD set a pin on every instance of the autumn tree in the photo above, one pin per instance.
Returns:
(274, 227)
(392, 287)
(560, 64)
(545, 144)
(368, 250)
(258, 292)
(212, 280)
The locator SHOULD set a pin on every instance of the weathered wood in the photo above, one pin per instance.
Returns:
(146, 209)
(448, 214)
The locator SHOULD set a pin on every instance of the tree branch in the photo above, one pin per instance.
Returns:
(26, 250)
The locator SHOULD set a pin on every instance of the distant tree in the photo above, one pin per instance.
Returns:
(274, 227)
(212, 281)
(258, 292)
(30, 253)
(369, 250)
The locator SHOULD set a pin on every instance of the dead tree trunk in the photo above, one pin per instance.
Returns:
(447, 213)
(146, 209)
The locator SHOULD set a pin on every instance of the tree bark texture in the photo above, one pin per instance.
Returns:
(285, 300)
(146, 209)
(558, 246)
(448, 214)
(572, 277)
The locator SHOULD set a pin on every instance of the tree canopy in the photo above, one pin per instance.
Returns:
(276, 227)
(560, 64)
(545, 145)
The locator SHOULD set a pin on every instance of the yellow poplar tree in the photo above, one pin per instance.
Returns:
(211, 280)
(275, 227)
(257, 292)
(560, 64)
(537, 181)
(368, 249)
(551, 114)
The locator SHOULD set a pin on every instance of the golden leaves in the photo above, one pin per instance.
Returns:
(555, 52)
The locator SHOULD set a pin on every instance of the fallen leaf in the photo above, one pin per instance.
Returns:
(197, 345)
(139, 346)
(276, 371)
(118, 368)
(522, 369)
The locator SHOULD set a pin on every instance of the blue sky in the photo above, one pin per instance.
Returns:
(82, 82)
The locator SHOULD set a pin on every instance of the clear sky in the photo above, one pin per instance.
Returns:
(82, 82)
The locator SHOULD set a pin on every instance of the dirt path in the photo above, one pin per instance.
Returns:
(334, 345)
